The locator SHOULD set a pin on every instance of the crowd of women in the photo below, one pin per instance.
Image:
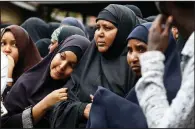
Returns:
(130, 72)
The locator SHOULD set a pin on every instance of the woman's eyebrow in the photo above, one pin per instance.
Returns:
(5, 39)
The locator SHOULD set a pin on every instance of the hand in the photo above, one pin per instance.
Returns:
(91, 96)
(55, 97)
(87, 111)
(158, 36)
(11, 65)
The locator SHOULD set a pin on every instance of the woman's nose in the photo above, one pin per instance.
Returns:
(63, 65)
(7, 49)
(133, 57)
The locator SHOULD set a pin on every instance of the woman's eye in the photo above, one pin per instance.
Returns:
(97, 27)
(2, 43)
(141, 49)
(108, 28)
(129, 49)
(62, 56)
(14, 45)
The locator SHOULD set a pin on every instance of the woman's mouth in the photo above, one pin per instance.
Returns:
(57, 73)
(101, 44)
(135, 68)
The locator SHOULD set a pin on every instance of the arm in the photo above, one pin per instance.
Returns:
(30, 116)
(39, 110)
(152, 97)
(11, 121)
(20, 120)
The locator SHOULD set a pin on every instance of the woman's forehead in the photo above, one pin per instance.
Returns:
(104, 22)
(136, 41)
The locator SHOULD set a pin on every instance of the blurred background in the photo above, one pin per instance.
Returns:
(17, 12)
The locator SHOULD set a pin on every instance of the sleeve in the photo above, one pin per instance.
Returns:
(27, 119)
(20, 120)
(152, 97)
(6, 91)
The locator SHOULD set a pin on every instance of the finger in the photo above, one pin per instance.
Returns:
(63, 98)
(91, 96)
(158, 22)
(63, 95)
(168, 25)
(10, 58)
(154, 23)
(62, 90)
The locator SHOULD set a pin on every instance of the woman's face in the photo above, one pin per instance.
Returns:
(175, 32)
(53, 46)
(62, 65)
(135, 48)
(104, 35)
(8, 46)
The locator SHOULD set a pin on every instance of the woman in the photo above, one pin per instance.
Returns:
(42, 45)
(28, 109)
(104, 63)
(37, 28)
(108, 107)
(61, 33)
(71, 21)
(53, 26)
(22, 52)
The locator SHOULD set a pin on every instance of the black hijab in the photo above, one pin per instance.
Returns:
(42, 46)
(97, 69)
(91, 31)
(67, 31)
(36, 83)
(53, 26)
(111, 111)
(136, 10)
(36, 28)
(71, 21)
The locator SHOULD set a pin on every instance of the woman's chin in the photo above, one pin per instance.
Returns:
(102, 49)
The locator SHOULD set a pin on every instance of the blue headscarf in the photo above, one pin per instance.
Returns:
(71, 21)
(110, 110)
